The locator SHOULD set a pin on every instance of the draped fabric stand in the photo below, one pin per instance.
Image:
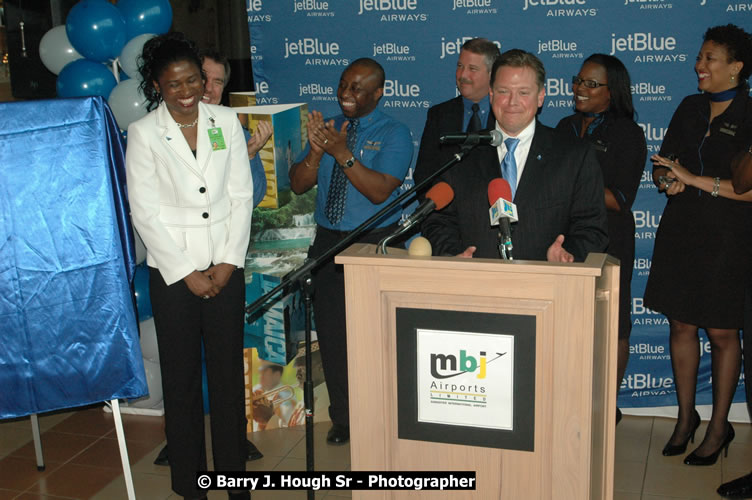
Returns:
(69, 334)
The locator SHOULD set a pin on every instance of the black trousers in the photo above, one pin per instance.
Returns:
(183, 321)
(747, 352)
(329, 314)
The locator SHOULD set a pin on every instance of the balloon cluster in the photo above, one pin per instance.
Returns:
(97, 42)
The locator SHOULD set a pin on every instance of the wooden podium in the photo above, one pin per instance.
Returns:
(570, 452)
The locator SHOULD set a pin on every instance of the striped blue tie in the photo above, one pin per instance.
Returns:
(509, 164)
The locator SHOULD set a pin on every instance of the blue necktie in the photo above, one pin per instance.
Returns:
(337, 195)
(509, 164)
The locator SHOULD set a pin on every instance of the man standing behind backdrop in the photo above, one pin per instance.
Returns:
(470, 111)
(359, 159)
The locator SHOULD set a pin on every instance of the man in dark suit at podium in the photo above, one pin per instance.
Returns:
(470, 111)
(556, 182)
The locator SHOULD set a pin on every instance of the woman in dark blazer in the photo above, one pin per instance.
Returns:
(605, 118)
(191, 198)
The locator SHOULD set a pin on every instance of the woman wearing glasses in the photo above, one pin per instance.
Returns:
(702, 257)
(605, 118)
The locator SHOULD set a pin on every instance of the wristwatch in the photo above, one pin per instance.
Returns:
(349, 163)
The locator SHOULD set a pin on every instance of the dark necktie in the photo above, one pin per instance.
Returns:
(509, 164)
(474, 124)
(337, 195)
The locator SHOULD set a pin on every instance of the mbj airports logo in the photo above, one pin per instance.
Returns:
(311, 8)
(393, 51)
(475, 7)
(647, 47)
(449, 366)
(403, 95)
(254, 10)
(399, 11)
(454, 47)
(562, 8)
(313, 49)
(316, 91)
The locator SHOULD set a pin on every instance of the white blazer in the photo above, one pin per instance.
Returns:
(189, 211)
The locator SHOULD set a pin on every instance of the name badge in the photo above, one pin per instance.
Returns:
(728, 129)
(216, 139)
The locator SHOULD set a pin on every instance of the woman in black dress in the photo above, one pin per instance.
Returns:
(701, 260)
(605, 117)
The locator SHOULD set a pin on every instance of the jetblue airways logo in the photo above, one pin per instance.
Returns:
(647, 47)
(253, 9)
(453, 47)
(650, 4)
(562, 8)
(312, 8)
(448, 365)
(475, 6)
(391, 10)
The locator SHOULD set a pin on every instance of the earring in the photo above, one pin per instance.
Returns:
(732, 78)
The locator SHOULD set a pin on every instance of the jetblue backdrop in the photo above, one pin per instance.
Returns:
(300, 47)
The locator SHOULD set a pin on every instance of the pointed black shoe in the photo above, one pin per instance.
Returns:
(738, 488)
(162, 458)
(671, 450)
(338, 434)
(253, 452)
(694, 459)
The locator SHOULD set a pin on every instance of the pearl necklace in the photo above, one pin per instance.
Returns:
(187, 125)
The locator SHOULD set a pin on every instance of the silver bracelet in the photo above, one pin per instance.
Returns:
(716, 187)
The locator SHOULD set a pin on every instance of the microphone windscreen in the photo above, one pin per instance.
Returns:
(441, 194)
(499, 188)
(420, 246)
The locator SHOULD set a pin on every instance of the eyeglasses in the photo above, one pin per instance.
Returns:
(591, 84)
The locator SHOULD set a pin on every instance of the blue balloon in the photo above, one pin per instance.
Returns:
(96, 29)
(141, 289)
(145, 16)
(83, 78)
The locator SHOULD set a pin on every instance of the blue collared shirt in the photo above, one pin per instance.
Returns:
(383, 144)
(257, 174)
(485, 108)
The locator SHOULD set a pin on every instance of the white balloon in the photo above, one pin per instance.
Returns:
(56, 51)
(149, 348)
(129, 56)
(127, 102)
(154, 382)
(140, 247)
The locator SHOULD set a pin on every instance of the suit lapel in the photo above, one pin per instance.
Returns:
(536, 158)
(206, 120)
(173, 140)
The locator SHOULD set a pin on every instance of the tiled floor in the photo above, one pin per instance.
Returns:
(82, 459)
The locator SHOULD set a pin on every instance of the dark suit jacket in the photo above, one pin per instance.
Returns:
(560, 192)
(444, 118)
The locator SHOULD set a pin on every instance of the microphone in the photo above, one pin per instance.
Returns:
(491, 137)
(439, 196)
(502, 213)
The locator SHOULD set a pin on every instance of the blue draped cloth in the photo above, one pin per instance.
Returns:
(68, 330)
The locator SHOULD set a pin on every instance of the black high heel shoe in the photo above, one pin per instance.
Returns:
(695, 459)
(671, 450)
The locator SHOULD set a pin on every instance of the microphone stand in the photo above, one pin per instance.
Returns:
(302, 278)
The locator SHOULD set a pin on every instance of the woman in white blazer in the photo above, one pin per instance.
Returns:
(191, 197)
